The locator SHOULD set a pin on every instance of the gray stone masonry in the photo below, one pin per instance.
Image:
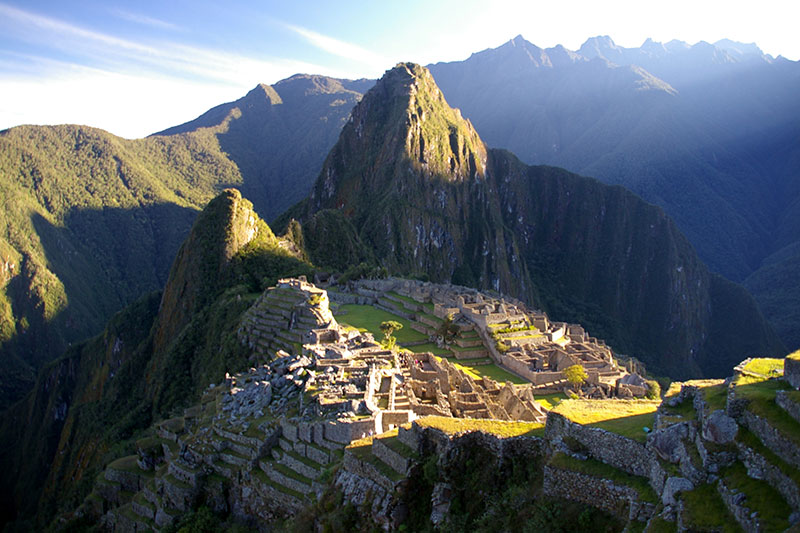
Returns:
(615, 450)
(616, 499)
(783, 399)
(356, 466)
(734, 503)
(773, 439)
(281, 479)
(299, 466)
(759, 468)
(398, 463)
(791, 372)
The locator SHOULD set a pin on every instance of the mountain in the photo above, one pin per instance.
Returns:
(279, 135)
(96, 220)
(412, 181)
(708, 132)
(154, 356)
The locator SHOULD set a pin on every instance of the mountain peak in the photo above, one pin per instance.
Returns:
(401, 131)
(261, 93)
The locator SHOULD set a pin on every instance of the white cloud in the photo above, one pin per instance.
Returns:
(341, 48)
(145, 20)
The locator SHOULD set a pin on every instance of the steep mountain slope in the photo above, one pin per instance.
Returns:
(157, 354)
(279, 135)
(89, 221)
(708, 132)
(420, 189)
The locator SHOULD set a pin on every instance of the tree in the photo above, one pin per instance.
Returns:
(388, 327)
(576, 375)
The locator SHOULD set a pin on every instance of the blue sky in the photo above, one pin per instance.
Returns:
(133, 68)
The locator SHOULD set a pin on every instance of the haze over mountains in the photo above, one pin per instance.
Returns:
(708, 132)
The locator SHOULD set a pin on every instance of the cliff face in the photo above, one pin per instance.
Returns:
(428, 198)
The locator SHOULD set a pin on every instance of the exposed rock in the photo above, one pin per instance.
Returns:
(673, 486)
(440, 502)
(667, 442)
(720, 428)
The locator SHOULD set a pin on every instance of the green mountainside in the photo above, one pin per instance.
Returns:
(418, 188)
(156, 355)
(707, 132)
(90, 221)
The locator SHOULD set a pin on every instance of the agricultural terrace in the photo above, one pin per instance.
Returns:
(623, 417)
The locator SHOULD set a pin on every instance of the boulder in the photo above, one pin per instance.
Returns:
(672, 487)
(667, 442)
(720, 428)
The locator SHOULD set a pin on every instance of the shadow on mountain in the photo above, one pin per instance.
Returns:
(98, 262)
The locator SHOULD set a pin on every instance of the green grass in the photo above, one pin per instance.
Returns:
(773, 511)
(491, 370)
(685, 410)
(749, 439)
(366, 317)
(716, 397)
(430, 347)
(659, 525)
(704, 510)
(549, 401)
(767, 367)
(623, 417)
(499, 428)
(598, 469)
(761, 396)
(406, 299)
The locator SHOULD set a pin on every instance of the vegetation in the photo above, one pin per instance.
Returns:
(499, 428)
(704, 510)
(366, 317)
(576, 375)
(766, 367)
(595, 468)
(388, 327)
(624, 417)
(760, 496)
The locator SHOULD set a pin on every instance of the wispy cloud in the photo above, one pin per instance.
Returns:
(145, 20)
(166, 58)
(340, 48)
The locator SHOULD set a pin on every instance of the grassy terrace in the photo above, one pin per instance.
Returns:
(362, 449)
(761, 394)
(595, 468)
(704, 510)
(499, 428)
(773, 511)
(623, 417)
(478, 371)
(549, 401)
(766, 367)
(366, 317)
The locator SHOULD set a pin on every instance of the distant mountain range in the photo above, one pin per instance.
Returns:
(709, 132)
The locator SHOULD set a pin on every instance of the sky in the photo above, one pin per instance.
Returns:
(134, 68)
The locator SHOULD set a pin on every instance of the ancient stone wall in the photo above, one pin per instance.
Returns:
(616, 499)
(615, 450)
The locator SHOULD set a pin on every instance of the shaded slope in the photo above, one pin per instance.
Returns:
(421, 190)
(89, 222)
(153, 357)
